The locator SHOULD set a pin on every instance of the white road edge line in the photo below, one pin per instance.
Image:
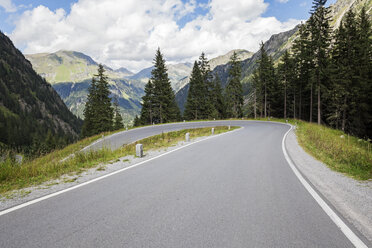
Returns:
(354, 239)
(6, 211)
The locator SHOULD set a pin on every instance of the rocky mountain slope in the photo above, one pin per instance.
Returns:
(176, 73)
(29, 106)
(71, 72)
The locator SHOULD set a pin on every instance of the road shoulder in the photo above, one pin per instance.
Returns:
(352, 198)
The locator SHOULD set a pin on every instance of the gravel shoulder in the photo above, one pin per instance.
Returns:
(352, 198)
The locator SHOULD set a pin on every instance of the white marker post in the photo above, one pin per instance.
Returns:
(139, 150)
(187, 137)
(212, 130)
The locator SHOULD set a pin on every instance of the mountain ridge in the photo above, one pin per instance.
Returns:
(29, 106)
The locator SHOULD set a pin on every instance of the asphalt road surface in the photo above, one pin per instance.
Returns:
(233, 190)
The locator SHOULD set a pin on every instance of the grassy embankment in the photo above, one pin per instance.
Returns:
(49, 167)
(340, 152)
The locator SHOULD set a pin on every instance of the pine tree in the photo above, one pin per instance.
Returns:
(89, 111)
(207, 89)
(234, 89)
(266, 84)
(104, 109)
(118, 119)
(286, 74)
(218, 99)
(196, 98)
(256, 92)
(165, 106)
(303, 60)
(148, 106)
(363, 65)
(316, 5)
(136, 121)
(98, 112)
(320, 42)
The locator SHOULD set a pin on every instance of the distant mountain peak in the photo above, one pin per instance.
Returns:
(125, 71)
(224, 59)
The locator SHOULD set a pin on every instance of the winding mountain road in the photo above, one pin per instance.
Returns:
(232, 190)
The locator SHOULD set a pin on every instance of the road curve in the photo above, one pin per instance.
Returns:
(116, 140)
(235, 190)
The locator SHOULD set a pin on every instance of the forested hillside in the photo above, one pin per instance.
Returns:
(32, 115)
(326, 77)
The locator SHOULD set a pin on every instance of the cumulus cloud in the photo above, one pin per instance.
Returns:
(8, 5)
(127, 33)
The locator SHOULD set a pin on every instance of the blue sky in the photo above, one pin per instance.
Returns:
(296, 9)
(125, 33)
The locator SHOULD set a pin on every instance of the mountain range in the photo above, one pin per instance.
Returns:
(71, 72)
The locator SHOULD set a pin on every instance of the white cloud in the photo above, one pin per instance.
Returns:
(282, 1)
(8, 5)
(127, 33)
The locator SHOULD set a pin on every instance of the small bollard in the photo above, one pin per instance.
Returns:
(187, 137)
(229, 127)
(212, 130)
(18, 158)
(139, 150)
(286, 121)
(184, 121)
(126, 129)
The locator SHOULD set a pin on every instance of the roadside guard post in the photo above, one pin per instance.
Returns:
(139, 150)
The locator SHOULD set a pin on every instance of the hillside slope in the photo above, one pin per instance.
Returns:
(29, 106)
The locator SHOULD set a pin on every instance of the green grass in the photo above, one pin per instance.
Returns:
(49, 167)
(340, 152)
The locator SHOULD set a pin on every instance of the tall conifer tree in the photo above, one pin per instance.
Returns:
(118, 119)
(234, 89)
(148, 104)
(320, 42)
(98, 112)
(196, 98)
(165, 108)
(205, 71)
(104, 111)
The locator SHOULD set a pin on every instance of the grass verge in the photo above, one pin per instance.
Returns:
(49, 167)
(339, 151)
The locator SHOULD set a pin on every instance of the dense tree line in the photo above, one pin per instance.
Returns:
(325, 77)
(159, 105)
(206, 98)
(99, 114)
